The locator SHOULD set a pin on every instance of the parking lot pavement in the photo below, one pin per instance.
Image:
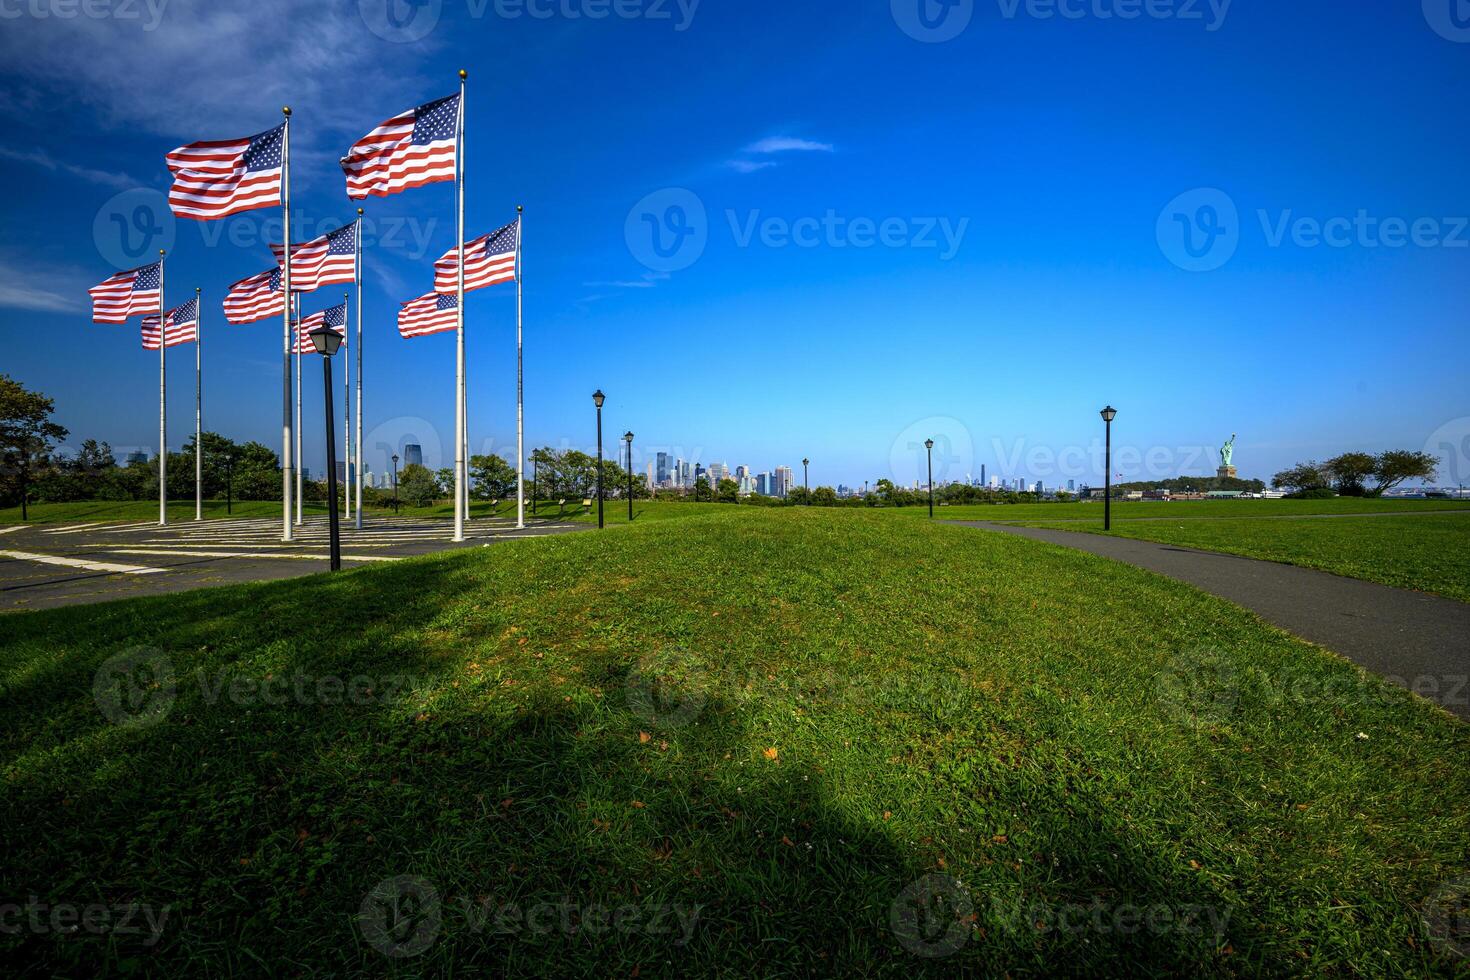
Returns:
(67, 564)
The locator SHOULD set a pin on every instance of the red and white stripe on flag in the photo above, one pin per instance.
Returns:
(126, 294)
(336, 318)
(255, 298)
(217, 178)
(433, 313)
(413, 148)
(488, 260)
(182, 327)
(323, 261)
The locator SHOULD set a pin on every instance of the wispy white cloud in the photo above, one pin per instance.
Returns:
(787, 144)
(40, 289)
(46, 161)
(750, 166)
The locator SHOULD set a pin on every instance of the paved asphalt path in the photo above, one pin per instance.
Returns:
(1413, 639)
(68, 564)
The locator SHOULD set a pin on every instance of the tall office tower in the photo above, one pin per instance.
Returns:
(651, 484)
(741, 472)
(686, 475)
(413, 454)
(784, 481)
(367, 478)
(699, 472)
(717, 472)
(661, 471)
(982, 474)
(1071, 485)
(763, 484)
(342, 471)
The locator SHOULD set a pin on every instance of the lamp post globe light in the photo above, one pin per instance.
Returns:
(1108, 414)
(628, 439)
(929, 450)
(395, 483)
(597, 399)
(327, 341)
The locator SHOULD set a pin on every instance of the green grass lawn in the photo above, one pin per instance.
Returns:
(1124, 510)
(746, 743)
(1426, 552)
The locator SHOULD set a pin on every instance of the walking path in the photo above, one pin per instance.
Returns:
(1413, 639)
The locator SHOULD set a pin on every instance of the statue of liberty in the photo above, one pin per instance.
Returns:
(1227, 452)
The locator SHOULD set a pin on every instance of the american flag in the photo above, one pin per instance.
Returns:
(488, 260)
(433, 313)
(335, 317)
(215, 178)
(182, 326)
(410, 150)
(331, 258)
(255, 298)
(126, 294)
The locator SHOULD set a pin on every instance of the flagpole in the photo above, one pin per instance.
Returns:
(460, 419)
(357, 266)
(346, 418)
(162, 403)
(520, 403)
(198, 406)
(286, 338)
(296, 335)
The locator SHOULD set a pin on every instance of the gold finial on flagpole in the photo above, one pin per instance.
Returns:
(286, 111)
(196, 290)
(463, 74)
(160, 253)
(519, 209)
(359, 212)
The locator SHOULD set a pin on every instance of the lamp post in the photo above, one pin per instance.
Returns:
(1108, 414)
(806, 485)
(628, 438)
(929, 449)
(597, 399)
(327, 341)
(229, 482)
(395, 483)
(534, 461)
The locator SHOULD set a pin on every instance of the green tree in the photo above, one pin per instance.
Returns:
(798, 497)
(824, 497)
(491, 478)
(1397, 465)
(1349, 471)
(26, 436)
(729, 492)
(1302, 476)
(417, 486)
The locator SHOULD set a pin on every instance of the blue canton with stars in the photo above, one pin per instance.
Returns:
(436, 120)
(265, 149)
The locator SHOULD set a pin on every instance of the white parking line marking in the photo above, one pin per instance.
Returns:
(238, 554)
(74, 528)
(91, 566)
(13, 527)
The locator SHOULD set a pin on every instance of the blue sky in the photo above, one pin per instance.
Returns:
(868, 233)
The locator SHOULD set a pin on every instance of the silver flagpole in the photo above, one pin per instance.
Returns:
(296, 337)
(162, 407)
(346, 419)
(520, 403)
(357, 446)
(198, 406)
(286, 335)
(459, 417)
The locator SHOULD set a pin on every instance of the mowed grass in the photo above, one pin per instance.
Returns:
(746, 743)
(1126, 510)
(1427, 552)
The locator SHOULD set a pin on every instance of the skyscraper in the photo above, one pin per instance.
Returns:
(413, 454)
(661, 470)
(784, 481)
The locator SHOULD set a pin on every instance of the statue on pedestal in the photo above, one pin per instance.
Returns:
(1227, 454)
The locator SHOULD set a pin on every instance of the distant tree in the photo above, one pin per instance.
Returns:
(26, 436)
(824, 497)
(887, 492)
(1349, 471)
(729, 492)
(798, 497)
(1302, 476)
(1397, 465)
(417, 486)
(491, 478)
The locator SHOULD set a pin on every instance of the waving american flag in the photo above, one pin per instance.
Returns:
(334, 317)
(328, 259)
(488, 260)
(216, 178)
(411, 149)
(182, 326)
(255, 298)
(433, 313)
(126, 294)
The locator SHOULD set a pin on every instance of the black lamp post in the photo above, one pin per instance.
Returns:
(229, 482)
(1108, 414)
(806, 485)
(597, 399)
(534, 461)
(628, 438)
(929, 449)
(395, 483)
(327, 341)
